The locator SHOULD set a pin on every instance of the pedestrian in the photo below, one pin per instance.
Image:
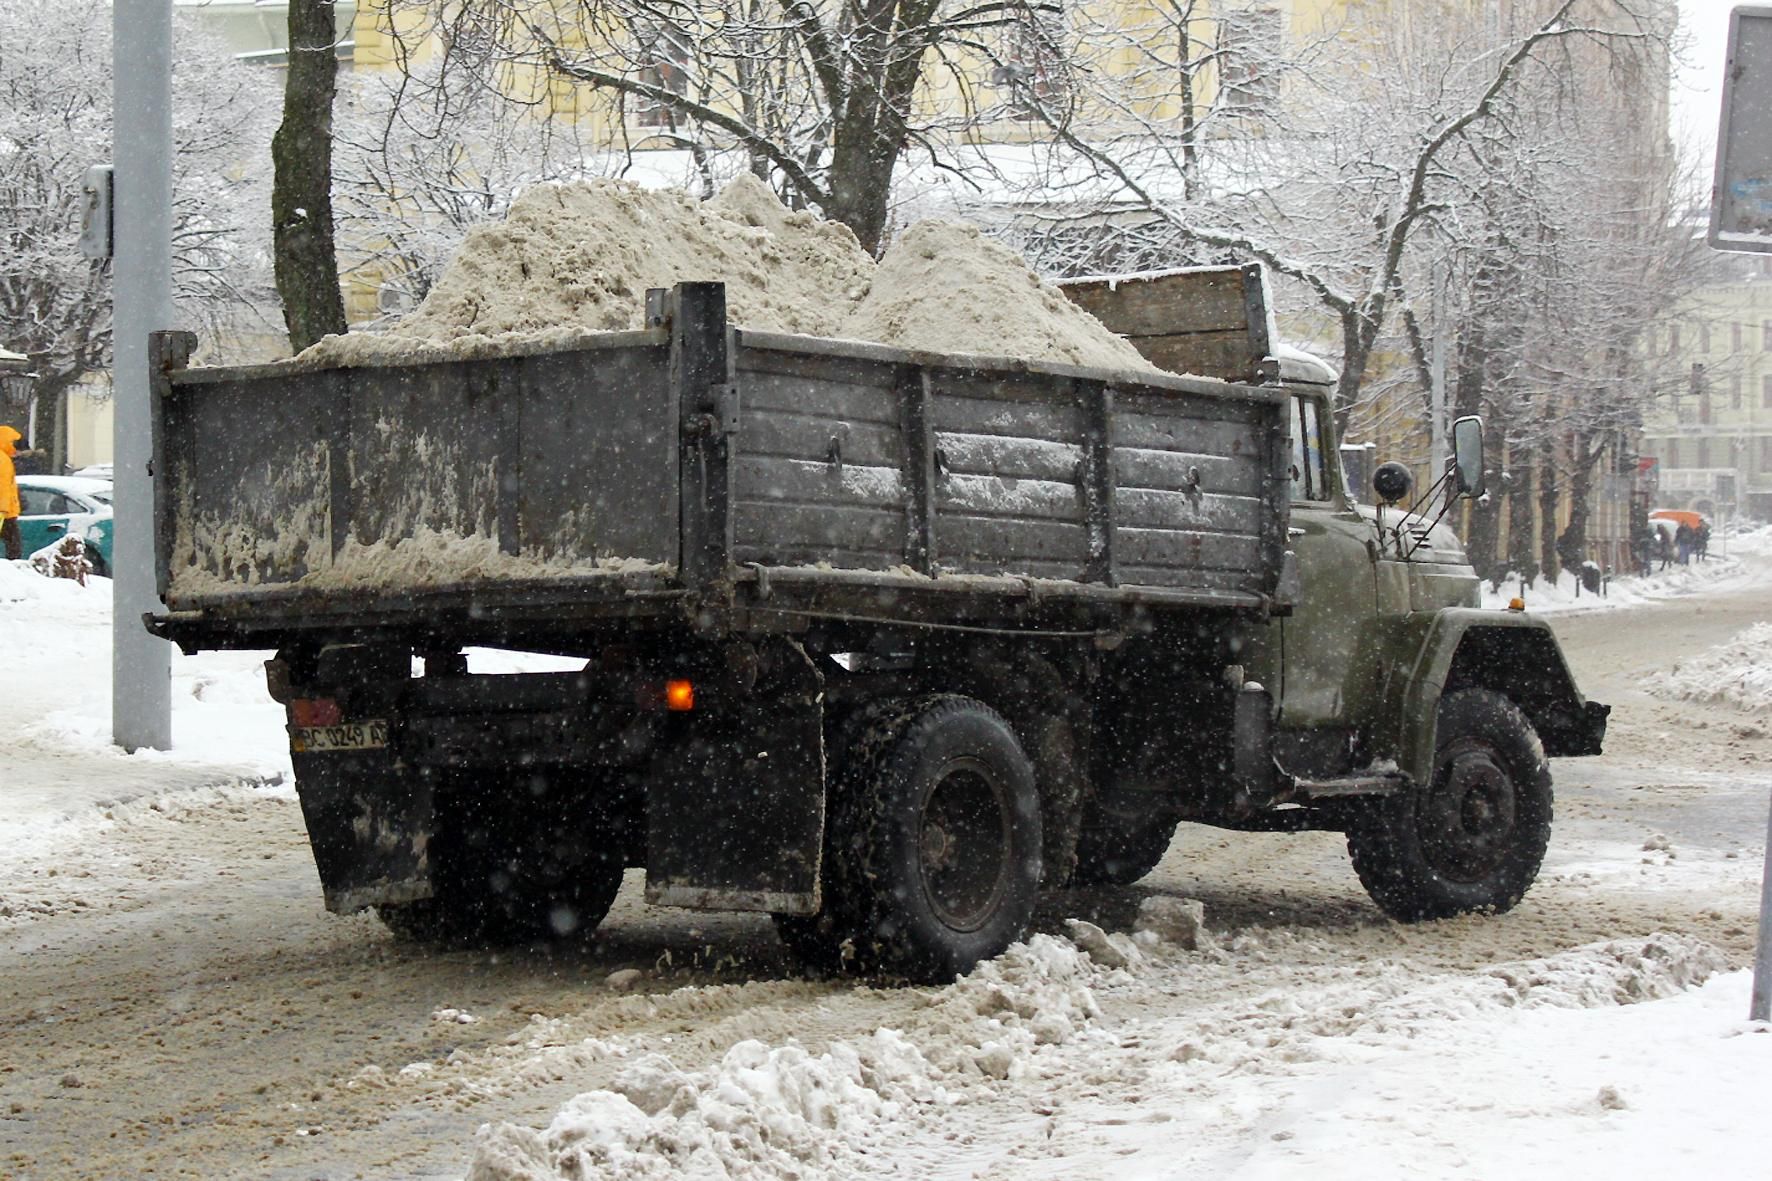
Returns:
(9, 509)
(1683, 537)
(1664, 548)
(1703, 540)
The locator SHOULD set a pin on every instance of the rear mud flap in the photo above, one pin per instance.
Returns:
(735, 814)
(370, 827)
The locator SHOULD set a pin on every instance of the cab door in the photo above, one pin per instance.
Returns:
(1321, 641)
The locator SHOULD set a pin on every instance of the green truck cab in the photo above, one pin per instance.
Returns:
(1382, 701)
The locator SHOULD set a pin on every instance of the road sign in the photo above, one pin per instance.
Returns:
(1741, 194)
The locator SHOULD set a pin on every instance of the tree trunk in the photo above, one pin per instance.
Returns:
(301, 192)
(1549, 560)
(1521, 542)
(1484, 531)
(1581, 480)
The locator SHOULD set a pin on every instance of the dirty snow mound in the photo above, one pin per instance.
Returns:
(761, 1113)
(945, 288)
(579, 257)
(782, 1112)
(1737, 673)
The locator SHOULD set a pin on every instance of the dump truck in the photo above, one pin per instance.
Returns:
(881, 643)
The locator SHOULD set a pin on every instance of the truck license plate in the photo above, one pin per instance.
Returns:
(366, 735)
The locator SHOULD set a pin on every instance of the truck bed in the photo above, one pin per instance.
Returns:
(618, 475)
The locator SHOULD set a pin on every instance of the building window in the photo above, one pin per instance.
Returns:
(1766, 453)
(663, 60)
(1766, 391)
(1670, 455)
(1766, 334)
(1704, 338)
(1703, 453)
(1735, 338)
(1704, 408)
(1249, 45)
(1735, 393)
(1673, 337)
(1031, 72)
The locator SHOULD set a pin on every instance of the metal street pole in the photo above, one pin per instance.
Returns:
(141, 284)
(1760, 1007)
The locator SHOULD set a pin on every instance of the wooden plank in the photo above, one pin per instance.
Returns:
(1057, 422)
(819, 385)
(763, 480)
(993, 496)
(1224, 355)
(788, 433)
(796, 534)
(1149, 508)
(992, 545)
(1010, 456)
(1179, 550)
(1195, 300)
(1203, 580)
(1250, 406)
(1171, 471)
(1193, 436)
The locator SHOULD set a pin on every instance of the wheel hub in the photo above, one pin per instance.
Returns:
(1468, 818)
(963, 845)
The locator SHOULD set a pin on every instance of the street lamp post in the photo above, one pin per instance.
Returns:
(141, 665)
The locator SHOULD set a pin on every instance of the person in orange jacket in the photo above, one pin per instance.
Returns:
(15, 545)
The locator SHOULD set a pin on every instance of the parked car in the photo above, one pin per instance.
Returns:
(95, 471)
(52, 507)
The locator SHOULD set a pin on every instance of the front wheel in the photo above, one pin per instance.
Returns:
(1474, 837)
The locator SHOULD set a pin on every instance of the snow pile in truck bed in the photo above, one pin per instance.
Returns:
(946, 288)
(576, 258)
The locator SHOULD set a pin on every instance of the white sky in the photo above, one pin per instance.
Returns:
(1697, 84)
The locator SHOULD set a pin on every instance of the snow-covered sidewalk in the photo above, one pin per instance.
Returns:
(1736, 561)
(59, 766)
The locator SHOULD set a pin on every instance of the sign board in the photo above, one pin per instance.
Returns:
(1741, 194)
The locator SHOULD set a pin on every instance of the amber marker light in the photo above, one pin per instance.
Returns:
(1516, 604)
(315, 711)
(679, 696)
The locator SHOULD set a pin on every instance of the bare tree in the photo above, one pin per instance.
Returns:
(55, 121)
(301, 198)
(825, 97)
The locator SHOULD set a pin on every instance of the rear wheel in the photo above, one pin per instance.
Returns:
(1474, 837)
(934, 858)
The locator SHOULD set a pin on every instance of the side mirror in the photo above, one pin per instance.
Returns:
(1467, 455)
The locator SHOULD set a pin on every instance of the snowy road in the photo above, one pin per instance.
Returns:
(174, 1002)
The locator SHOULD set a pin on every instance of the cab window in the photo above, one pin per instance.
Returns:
(1310, 465)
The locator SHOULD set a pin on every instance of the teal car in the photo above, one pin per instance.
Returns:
(52, 507)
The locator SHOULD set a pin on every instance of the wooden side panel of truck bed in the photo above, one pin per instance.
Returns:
(553, 480)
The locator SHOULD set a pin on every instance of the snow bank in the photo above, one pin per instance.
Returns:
(1030, 1025)
(782, 1112)
(1737, 673)
(1719, 572)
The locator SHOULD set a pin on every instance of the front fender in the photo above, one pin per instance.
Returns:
(1429, 654)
